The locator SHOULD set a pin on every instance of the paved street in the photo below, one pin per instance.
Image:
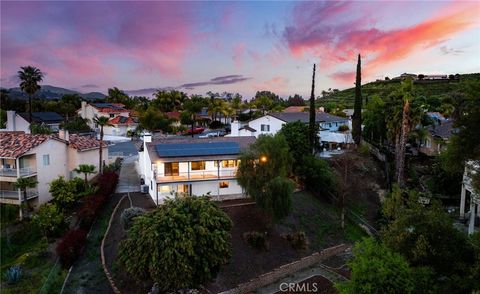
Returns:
(129, 180)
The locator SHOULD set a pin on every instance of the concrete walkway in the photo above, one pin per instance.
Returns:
(129, 180)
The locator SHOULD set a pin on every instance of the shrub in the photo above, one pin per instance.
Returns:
(49, 218)
(114, 166)
(364, 149)
(298, 240)
(129, 214)
(343, 128)
(71, 246)
(13, 274)
(256, 240)
(182, 244)
(317, 175)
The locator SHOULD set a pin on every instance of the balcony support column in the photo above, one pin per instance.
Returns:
(218, 169)
(462, 202)
(188, 169)
(20, 210)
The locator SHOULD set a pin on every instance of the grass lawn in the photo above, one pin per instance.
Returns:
(27, 247)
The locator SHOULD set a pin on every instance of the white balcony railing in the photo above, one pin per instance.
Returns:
(13, 194)
(198, 175)
(12, 172)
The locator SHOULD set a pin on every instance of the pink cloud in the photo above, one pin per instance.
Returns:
(239, 53)
(277, 84)
(89, 41)
(332, 32)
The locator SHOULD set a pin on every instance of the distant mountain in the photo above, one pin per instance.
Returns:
(52, 92)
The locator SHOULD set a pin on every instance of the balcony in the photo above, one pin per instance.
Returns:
(198, 176)
(12, 172)
(11, 196)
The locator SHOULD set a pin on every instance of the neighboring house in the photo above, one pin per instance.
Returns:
(111, 110)
(193, 166)
(471, 168)
(120, 125)
(437, 138)
(44, 158)
(21, 121)
(294, 109)
(437, 117)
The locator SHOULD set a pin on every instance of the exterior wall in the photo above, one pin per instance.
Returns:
(85, 157)
(201, 188)
(57, 152)
(430, 146)
(16, 123)
(274, 123)
(332, 126)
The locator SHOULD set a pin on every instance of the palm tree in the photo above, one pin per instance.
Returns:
(30, 76)
(23, 184)
(85, 169)
(101, 121)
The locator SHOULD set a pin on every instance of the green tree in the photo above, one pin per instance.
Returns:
(76, 125)
(29, 77)
(64, 192)
(297, 136)
(191, 107)
(153, 120)
(49, 218)
(85, 169)
(37, 129)
(317, 175)
(426, 237)
(102, 122)
(169, 100)
(357, 114)
(377, 269)
(23, 184)
(312, 129)
(182, 244)
(266, 160)
(374, 120)
(115, 95)
(3, 119)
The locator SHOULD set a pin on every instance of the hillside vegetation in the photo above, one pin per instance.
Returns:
(432, 90)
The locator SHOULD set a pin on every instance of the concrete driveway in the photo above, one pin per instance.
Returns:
(129, 180)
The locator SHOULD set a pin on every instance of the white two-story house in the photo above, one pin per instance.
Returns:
(272, 123)
(193, 166)
(43, 158)
(120, 117)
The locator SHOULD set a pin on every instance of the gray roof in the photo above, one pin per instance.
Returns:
(43, 117)
(305, 117)
(248, 128)
(241, 142)
(444, 130)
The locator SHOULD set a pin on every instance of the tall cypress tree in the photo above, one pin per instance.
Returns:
(357, 112)
(312, 127)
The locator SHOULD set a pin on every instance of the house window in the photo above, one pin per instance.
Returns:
(265, 128)
(223, 185)
(164, 189)
(229, 163)
(198, 165)
(171, 168)
(46, 160)
(112, 115)
(428, 143)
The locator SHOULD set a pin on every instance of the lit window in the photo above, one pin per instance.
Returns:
(198, 165)
(223, 185)
(46, 160)
(164, 189)
(229, 163)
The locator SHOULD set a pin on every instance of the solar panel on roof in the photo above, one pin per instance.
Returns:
(47, 116)
(197, 149)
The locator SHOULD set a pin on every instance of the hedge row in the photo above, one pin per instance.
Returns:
(73, 241)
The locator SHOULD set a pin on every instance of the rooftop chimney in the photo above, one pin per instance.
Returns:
(11, 121)
(235, 128)
(83, 114)
(63, 134)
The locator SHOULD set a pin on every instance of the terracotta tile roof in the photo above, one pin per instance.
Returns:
(83, 143)
(173, 115)
(15, 144)
(122, 120)
(294, 109)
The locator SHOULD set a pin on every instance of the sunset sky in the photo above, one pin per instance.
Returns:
(234, 46)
